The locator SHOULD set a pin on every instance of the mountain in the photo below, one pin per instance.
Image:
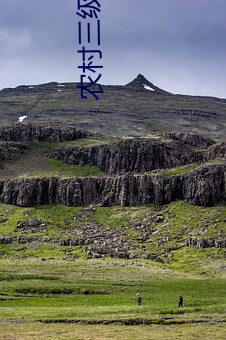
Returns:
(138, 173)
(138, 108)
(64, 188)
(100, 199)
(140, 83)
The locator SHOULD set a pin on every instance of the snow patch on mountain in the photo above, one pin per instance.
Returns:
(21, 118)
(148, 87)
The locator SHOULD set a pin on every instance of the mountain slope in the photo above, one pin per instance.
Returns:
(136, 109)
(140, 83)
(130, 172)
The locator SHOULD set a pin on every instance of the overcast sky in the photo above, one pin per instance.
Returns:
(179, 45)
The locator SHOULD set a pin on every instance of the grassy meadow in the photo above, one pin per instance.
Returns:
(52, 291)
(96, 299)
(50, 288)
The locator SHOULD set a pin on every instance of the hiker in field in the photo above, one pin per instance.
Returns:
(139, 299)
(180, 301)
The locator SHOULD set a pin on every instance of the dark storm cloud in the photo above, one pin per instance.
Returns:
(48, 24)
(177, 44)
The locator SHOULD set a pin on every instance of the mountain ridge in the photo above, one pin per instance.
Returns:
(140, 83)
(138, 108)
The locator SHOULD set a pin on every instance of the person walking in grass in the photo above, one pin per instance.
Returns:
(139, 299)
(180, 301)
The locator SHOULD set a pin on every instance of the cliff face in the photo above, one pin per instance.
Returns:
(35, 133)
(206, 187)
(131, 155)
(191, 139)
(125, 163)
(215, 151)
(202, 187)
(11, 151)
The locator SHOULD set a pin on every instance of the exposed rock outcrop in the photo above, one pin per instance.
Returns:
(201, 243)
(34, 133)
(191, 139)
(215, 151)
(138, 85)
(205, 186)
(125, 162)
(32, 225)
(131, 155)
(11, 151)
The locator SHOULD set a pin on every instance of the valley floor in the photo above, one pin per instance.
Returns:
(36, 331)
(96, 299)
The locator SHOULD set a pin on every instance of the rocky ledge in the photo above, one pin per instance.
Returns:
(204, 186)
(144, 155)
(133, 169)
(37, 132)
(139, 155)
(11, 150)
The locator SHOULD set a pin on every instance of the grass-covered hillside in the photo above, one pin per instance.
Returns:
(129, 110)
(179, 235)
(35, 161)
(74, 270)
(160, 234)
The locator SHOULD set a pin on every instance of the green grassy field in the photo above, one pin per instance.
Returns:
(60, 169)
(38, 331)
(96, 299)
(52, 291)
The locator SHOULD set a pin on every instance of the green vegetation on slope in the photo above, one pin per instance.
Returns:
(184, 169)
(36, 163)
(51, 283)
(60, 169)
(180, 170)
(179, 221)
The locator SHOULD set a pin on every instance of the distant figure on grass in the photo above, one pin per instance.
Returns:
(139, 299)
(180, 301)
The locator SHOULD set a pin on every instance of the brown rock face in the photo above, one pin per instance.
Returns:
(191, 139)
(10, 151)
(216, 150)
(35, 133)
(131, 156)
(201, 243)
(205, 187)
(126, 163)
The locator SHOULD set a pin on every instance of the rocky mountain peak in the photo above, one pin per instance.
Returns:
(140, 83)
(141, 77)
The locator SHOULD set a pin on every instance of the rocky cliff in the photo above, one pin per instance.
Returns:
(215, 151)
(11, 151)
(133, 167)
(191, 139)
(37, 132)
(132, 155)
(205, 186)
